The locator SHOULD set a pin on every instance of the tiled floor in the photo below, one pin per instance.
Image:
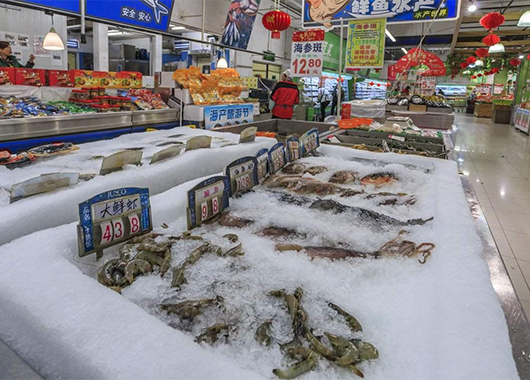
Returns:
(496, 158)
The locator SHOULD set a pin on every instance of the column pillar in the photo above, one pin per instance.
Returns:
(155, 55)
(101, 47)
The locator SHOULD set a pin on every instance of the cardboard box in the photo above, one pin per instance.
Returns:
(110, 79)
(7, 75)
(30, 77)
(60, 78)
(128, 79)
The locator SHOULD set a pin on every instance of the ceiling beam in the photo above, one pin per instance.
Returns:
(476, 18)
(500, 32)
(505, 43)
(457, 26)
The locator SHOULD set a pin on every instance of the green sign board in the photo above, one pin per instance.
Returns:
(269, 56)
(332, 51)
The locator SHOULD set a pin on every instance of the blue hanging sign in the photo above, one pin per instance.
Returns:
(309, 141)
(242, 174)
(207, 200)
(68, 6)
(396, 11)
(293, 148)
(147, 14)
(277, 158)
(220, 116)
(113, 217)
(262, 157)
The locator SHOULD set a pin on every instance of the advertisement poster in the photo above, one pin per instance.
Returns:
(366, 44)
(329, 13)
(57, 58)
(427, 85)
(37, 47)
(11, 38)
(220, 116)
(498, 89)
(416, 57)
(23, 41)
(239, 23)
(331, 49)
(307, 55)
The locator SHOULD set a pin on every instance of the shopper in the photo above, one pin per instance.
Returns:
(285, 95)
(7, 59)
(335, 100)
(324, 98)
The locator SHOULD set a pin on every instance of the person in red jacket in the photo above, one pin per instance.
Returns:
(285, 95)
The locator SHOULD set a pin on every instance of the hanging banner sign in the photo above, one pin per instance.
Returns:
(239, 23)
(206, 200)
(307, 55)
(329, 13)
(113, 217)
(366, 44)
(147, 14)
(220, 116)
(416, 57)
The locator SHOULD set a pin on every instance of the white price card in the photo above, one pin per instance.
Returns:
(134, 222)
(117, 226)
(107, 232)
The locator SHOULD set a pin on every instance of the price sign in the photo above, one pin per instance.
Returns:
(307, 54)
(242, 174)
(113, 217)
(277, 158)
(293, 148)
(248, 135)
(43, 184)
(116, 161)
(208, 199)
(309, 141)
(262, 157)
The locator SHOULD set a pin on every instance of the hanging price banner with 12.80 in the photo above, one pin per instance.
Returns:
(307, 53)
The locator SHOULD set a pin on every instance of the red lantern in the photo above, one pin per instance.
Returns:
(495, 70)
(492, 20)
(473, 77)
(515, 62)
(379, 85)
(463, 65)
(389, 84)
(470, 60)
(491, 39)
(276, 21)
(528, 56)
(479, 75)
(371, 83)
(481, 53)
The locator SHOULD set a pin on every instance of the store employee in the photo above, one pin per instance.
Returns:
(285, 95)
(9, 60)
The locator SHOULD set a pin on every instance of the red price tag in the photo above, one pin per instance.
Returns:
(134, 222)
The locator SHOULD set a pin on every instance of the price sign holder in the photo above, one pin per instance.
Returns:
(170, 152)
(248, 135)
(111, 218)
(207, 200)
(45, 183)
(262, 158)
(277, 159)
(242, 174)
(309, 141)
(293, 148)
(198, 142)
(116, 161)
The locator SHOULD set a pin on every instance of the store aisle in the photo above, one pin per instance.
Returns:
(496, 158)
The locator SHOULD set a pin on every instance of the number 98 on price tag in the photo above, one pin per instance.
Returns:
(207, 200)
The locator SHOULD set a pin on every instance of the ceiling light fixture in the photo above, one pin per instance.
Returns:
(404, 50)
(221, 63)
(389, 35)
(524, 20)
(521, 56)
(177, 28)
(472, 7)
(52, 41)
(497, 48)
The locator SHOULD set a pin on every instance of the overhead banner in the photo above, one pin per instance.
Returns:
(366, 44)
(239, 23)
(147, 14)
(329, 13)
(416, 57)
(307, 55)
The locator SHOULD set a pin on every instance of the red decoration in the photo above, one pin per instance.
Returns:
(470, 60)
(491, 39)
(528, 56)
(389, 84)
(379, 85)
(479, 75)
(515, 62)
(463, 65)
(415, 57)
(473, 77)
(492, 20)
(481, 53)
(495, 70)
(276, 21)
(371, 83)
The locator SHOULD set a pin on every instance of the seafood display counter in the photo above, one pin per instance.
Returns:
(21, 134)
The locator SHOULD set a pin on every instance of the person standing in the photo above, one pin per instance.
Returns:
(335, 99)
(7, 59)
(285, 95)
(324, 98)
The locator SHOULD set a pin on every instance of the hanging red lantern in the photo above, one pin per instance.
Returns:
(276, 21)
(379, 85)
(495, 70)
(481, 53)
(528, 56)
(371, 83)
(473, 77)
(389, 84)
(463, 65)
(470, 60)
(492, 20)
(479, 75)
(491, 39)
(515, 62)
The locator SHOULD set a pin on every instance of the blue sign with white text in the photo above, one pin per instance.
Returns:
(71, 6)
(148, 14)
(221, 116)
(330, 13)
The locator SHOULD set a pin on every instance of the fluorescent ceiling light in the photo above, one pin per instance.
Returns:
(524, 21)
(498, 48)
(521, 56)
(404, 50)
(177, 28)
(52, 41)
(472, 7)
(389, 35)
